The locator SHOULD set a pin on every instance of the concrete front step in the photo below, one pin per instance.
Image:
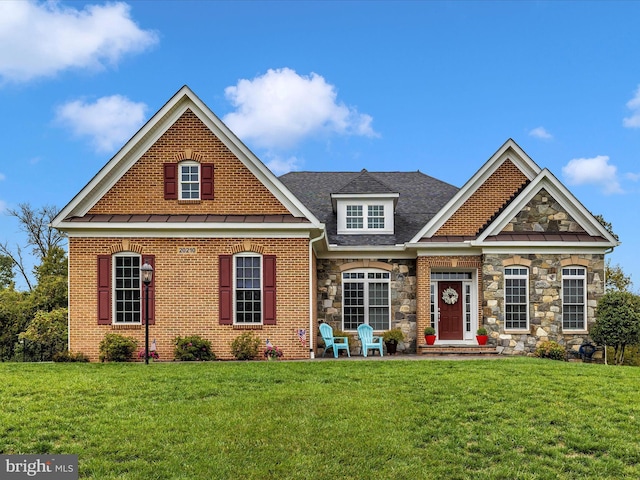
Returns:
(456, 350)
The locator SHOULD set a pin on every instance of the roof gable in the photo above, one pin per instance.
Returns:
(546, 206)
(489, 190)
(182, 102)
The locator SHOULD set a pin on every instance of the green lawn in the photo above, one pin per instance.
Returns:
(502, 419)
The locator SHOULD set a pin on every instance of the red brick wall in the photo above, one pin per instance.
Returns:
(186, 292)
(485, 201)
(141, 189)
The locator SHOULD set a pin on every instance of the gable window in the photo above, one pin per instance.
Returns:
(365, 216)
(126, 276)
(248, 289)
(574, 281)
(189, 181)
(366, 299)
(516, 298)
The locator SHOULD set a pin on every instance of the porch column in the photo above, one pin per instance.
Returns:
(423, 296)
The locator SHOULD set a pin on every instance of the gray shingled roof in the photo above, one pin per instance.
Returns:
(421, 197)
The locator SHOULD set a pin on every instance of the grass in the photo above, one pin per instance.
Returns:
(505, 419)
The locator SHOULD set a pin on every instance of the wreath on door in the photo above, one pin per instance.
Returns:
(450, 296)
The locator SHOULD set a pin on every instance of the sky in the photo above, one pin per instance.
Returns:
(331, 86)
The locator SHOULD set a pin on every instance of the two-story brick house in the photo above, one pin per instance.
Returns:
(236, 248)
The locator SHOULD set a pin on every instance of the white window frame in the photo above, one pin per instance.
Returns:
(386, 204)
(366, 281)
(190, 164)
(521, 274)
(115, 289)
(235, 287)
(575, 272)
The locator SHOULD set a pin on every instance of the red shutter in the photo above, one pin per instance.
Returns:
(170, 181)
(151, 260)
(269, 289)
(206, 172)
(225, 279)
(104, 289)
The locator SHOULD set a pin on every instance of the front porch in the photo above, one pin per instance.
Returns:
(453, 349)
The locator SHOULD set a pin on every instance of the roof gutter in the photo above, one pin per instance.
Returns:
(311, 305)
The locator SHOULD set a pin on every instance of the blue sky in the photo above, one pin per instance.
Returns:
(430, 86)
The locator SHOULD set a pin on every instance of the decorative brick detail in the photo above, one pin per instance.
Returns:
(125, 246)
(188, 154)
(247, 246)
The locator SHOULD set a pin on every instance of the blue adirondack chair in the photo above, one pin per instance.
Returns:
(337, 343)
(368, 340)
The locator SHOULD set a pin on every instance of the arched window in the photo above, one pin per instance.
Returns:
(366, 299)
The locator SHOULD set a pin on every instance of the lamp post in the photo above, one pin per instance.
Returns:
(146, 272)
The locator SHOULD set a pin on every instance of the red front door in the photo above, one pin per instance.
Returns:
(450, 307)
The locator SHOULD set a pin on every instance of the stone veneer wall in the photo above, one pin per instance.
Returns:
(403, 297)
(545, 299)
(543, 214)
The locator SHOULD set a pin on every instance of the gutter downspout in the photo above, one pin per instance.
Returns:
(311, 305)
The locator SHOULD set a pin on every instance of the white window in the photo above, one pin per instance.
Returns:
(365, 216)
(354, 217)
(126, 276)
(248, 288)
(574, 305)
(375, 217)
(365, 299)
(189, 180)
(516, 298)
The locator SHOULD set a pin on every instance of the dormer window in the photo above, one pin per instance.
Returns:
(365, 215)
(365, 205)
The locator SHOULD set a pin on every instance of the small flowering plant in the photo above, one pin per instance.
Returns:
(272, 352)
(152, 354)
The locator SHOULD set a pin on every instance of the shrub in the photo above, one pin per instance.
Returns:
(66, 356)
(552, 350)
(481, 331)
(429, 331)
(245, 346)
(193, 349)
(117, 348)
(395, 334)
(617, 322)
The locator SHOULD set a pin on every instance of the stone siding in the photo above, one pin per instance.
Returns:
(403, 297)
(545, 300)
(543, 214)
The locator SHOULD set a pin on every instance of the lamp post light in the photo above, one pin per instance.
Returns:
(146, 272)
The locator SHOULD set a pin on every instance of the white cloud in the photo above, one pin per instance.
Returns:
(634, 105)
(108, 122)
(42, 39)
(281, 108)
(634, 177)
(596, 171)
(280, 165)
(541, 133)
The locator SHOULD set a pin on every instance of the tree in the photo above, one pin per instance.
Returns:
(617, 322)
(48, 330)
(606, 225)
(51, 292)
(41, 237)
(6, 272)
(616, 279)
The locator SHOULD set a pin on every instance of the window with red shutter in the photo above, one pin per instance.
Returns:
(225, 289)
(104, 289)
(269, 289)
(206, 170)
(170, 181)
